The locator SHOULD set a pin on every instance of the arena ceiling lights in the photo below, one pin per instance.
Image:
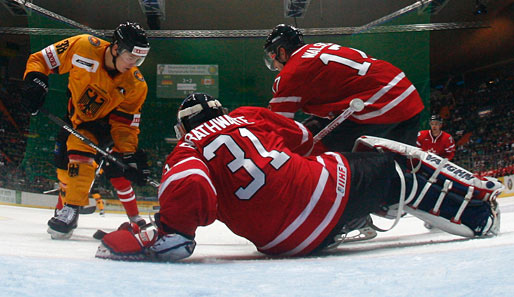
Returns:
(154, 11)
(15, 8)
(295, 8)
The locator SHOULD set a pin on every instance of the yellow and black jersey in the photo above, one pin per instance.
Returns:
(94, 93)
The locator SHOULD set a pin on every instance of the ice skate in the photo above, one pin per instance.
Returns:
(355, 230)
(62, 225)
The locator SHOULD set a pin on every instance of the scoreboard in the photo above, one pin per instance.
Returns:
(180, 80)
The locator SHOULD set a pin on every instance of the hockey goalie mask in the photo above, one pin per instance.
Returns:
(196, 109)
(133, 46)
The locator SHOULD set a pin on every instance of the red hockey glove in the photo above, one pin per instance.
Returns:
(127, 244)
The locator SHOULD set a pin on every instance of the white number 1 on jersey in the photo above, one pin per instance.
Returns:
(362, 68)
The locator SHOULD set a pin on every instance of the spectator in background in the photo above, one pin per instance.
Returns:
(436, 140)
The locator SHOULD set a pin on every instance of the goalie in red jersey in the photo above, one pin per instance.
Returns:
(249, 170)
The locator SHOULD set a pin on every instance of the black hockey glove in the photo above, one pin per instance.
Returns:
(34, 91)
(138, 171)
(313, 123)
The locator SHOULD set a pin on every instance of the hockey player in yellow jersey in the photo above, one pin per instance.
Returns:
(106, 92)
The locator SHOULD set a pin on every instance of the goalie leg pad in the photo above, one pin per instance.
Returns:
(446, 195)
(477, 218)
(434, 168)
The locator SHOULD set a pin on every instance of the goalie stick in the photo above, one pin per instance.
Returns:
(88, 141)
(356, 105)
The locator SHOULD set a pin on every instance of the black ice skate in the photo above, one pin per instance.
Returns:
(62, 225)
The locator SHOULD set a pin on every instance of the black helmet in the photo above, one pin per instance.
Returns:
(436, 117)
(196, 109)
(285, 36)
(132, 38)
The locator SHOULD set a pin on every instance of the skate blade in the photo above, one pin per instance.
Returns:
(56, 235)
(365, 233)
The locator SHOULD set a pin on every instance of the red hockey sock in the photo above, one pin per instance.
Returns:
(126, 195)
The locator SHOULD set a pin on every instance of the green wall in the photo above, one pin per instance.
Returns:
(244, 79)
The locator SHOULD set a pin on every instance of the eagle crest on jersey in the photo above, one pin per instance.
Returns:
(90, 102)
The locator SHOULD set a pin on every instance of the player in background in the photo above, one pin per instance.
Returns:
(436, 140)
(99, 203)
(248, 170)
(322, 78)
(106, 92)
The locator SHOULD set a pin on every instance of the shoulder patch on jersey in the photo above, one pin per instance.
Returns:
(50, 56)
(138, 75)
(93, 40)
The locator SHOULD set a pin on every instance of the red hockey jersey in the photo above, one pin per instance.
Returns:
(442, 145)
(246, 169)
(322, 78)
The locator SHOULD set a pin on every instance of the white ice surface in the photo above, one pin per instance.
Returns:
(406, 261)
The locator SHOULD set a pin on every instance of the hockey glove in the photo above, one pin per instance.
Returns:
(313, 124)
(127, 244)
(132, 244)
(138, 171)
(34, 91)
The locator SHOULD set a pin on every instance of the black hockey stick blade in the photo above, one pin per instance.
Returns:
(99, 234)
(87, 209)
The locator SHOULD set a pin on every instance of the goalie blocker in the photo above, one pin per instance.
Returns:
(440, 192)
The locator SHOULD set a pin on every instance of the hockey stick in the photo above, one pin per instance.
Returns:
(50, 191)
(356, 105)
(87, 141)
(87, 209)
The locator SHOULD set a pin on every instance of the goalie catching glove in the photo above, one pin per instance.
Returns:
(440, 192)
(130, 243)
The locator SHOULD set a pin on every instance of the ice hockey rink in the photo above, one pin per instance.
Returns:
(406, 261)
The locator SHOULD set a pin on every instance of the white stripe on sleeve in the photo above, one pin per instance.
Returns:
(294, 99)
(286, 114)
(305, 133)
(387, 107)
(184, 174)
